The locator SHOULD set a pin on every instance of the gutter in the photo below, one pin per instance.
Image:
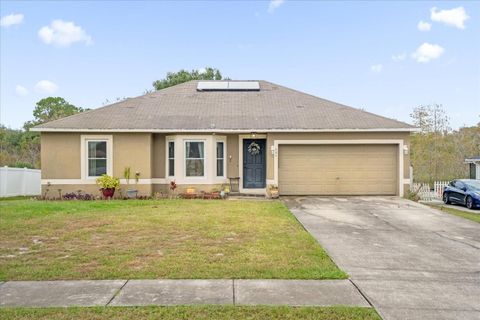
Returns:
(226, 130)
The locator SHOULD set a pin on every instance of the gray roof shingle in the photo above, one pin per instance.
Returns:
(183, 108)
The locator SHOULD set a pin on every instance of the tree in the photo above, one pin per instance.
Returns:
(437, 152)
(431, 118)
(174, 78)
(51, 108)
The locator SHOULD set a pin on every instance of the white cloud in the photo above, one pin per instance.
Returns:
(63, 33)
(274, 4)
(45, 86)
(455, 17)
(399, 57)
(11, 19)
(427, 52)
(21, 90)
(424, 26)
(376, 68)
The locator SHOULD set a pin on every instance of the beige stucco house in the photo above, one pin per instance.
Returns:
(202, 133)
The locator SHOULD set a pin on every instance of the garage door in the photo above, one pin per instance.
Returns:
(338, 169)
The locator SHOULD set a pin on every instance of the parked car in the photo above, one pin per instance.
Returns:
(465, 192)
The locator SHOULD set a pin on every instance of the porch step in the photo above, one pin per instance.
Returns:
(239, 195)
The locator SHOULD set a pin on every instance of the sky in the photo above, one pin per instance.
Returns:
(384, 57)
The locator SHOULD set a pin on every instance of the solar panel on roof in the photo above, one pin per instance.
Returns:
(243, 85)
(228, 86)
(212, 85)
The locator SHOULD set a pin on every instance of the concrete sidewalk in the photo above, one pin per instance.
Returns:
(88, 293)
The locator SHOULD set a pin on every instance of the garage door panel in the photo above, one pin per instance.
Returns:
(338, 169)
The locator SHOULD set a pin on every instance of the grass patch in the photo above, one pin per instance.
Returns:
(17, 198)
(176, 239)
(467, 215)
(192, 312)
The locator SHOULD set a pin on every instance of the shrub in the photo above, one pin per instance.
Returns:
(107, 182)
(78, 196)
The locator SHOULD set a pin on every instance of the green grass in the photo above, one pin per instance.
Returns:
(16, 198)
(192, 313)
(177, 239)
(467, 215)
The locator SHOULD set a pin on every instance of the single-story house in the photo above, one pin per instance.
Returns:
(474, 166)
(203, 133)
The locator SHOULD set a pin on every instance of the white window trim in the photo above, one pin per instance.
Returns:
(209, 159)
(400, 144)
(167, 168)
(224, 142)
(205, 159)
(84, 139)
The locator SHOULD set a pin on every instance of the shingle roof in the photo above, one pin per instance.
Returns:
(183, 108)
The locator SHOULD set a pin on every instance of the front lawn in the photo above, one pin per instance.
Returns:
(193, 313)
(156, 239)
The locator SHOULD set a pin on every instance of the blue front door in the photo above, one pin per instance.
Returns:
(254, 163)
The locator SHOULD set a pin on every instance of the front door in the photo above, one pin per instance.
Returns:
(254, 163)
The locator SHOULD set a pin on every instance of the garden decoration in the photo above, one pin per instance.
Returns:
(253, 148)
(108, 185)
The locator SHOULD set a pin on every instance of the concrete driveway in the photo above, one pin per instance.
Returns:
(410, 261)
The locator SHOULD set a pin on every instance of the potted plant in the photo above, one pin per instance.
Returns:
(131, 193)
(273, 190)
(108, 185)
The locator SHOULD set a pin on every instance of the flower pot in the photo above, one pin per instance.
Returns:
(274, 194)
(132, 194)
(108, 192)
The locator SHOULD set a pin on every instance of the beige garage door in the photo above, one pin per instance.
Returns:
(338, 169)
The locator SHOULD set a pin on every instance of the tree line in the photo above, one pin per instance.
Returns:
(438, 153)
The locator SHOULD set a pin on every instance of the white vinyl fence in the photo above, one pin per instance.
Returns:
(426, 193)
(19, 182)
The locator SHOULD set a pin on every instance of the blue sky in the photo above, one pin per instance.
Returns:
(370, 55)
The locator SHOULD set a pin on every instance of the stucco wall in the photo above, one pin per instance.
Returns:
(60, 155)
(132, 150)
(145, 152)
(232, 156)
(158, 155)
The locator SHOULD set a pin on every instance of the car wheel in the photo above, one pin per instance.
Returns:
(469, 202)
(446, 198)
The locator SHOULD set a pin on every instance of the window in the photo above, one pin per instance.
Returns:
(220, 159)
(194, 159)
(473, 171)
(97, 158)
(459, 185)
(171, 158)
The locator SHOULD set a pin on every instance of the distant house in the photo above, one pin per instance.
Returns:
(474, 164)
(204, 134)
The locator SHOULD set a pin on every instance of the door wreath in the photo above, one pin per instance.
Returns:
(253, 148)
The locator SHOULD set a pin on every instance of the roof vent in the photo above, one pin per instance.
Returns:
(228, 86)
